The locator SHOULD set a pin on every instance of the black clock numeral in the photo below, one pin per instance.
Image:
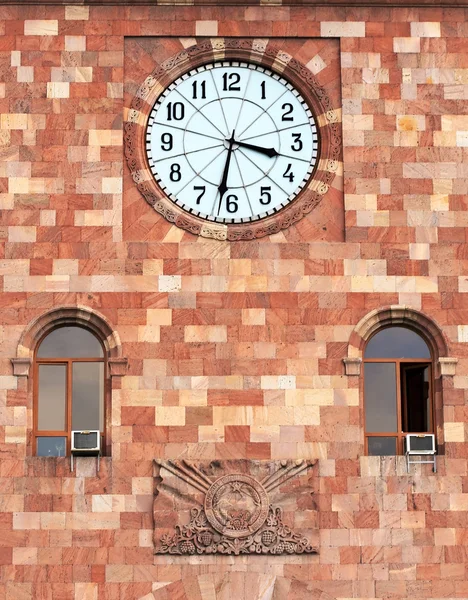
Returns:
(263, 86)
(166, 142)
(265, 195)
(233, 86)
(199, 188)
(195, 89)
(175, 174)
(288, 108)
(175, 111)
(288, 174)
(231, 203)
(297, 145)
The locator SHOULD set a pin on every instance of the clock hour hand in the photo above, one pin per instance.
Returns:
(222, 188)
(267, 151)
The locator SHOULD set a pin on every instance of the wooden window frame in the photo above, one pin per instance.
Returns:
(68, 400)
(400, 434)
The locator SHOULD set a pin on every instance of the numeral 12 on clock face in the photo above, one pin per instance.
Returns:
(231, 142)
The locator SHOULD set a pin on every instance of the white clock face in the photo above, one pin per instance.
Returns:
(231, 142)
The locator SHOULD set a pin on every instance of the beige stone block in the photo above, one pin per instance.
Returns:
(425, 29)
(92, 521)
(111, 185)
(58, 89)
(15, 434)
(265, 433)
(24, 556)
(193, 398)
(77, 13)
(142, 485)
(444, 536)
(206, 333)
(75, 43)
(169, 415)
(25, 74)
(211, 434)
(115, 90)
(342, 29)
(169, 283)
(52, 520)
(253, 316)
(459, 502)
(206, 28)
(108, 503)
(18, 185)
(413, 520)
(105, 137)
(159, 316)
(86, 591)
(419, 251)
(407, 44)
(47, 218)
(13, 121)
(38, 27)
(119, 573)
(26, 520)
(454, 432)
(411, 122)
(149, 333)
(319, 397)
(152, 267)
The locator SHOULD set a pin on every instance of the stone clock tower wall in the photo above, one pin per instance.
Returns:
(242, 351)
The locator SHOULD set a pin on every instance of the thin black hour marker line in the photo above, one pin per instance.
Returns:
(189, 152)
(243, 99)
(189, 131)
(265, 110)
(198, 174)
(262, 171)
(220, 102)
(199, 111)
(243, 184)
(274, 131)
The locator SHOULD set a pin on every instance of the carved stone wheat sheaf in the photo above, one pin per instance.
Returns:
(256, 51)
(236, 516)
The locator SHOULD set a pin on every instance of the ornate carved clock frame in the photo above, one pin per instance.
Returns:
(254, 51)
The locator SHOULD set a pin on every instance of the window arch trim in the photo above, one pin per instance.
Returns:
(403, 316)
(80, 316)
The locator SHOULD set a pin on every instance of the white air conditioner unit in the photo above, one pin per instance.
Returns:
(420, 444)
(86, 443)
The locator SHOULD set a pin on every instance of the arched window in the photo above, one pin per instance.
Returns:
(69, 371)
(398, 389)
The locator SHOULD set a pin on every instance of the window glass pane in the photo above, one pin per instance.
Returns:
(381, 446)
(416, 411)
(380, 397)
(397, 342)
(87, 396)
(51, 446)
(70, 342)
(52, 398)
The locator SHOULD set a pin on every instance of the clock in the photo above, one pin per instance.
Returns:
(234, 139)
(232, 142)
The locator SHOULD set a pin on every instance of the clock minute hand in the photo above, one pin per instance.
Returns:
(267, 151)
(222, 188)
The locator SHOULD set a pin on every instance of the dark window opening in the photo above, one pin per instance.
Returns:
(69, 389)
(398, 396)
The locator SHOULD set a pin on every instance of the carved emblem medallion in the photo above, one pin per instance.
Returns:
(236, 505)
(235, 515)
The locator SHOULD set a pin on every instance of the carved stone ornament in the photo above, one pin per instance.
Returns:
(327, 175)
(234, 514)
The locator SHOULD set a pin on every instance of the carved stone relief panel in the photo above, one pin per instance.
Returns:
(235, 507)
